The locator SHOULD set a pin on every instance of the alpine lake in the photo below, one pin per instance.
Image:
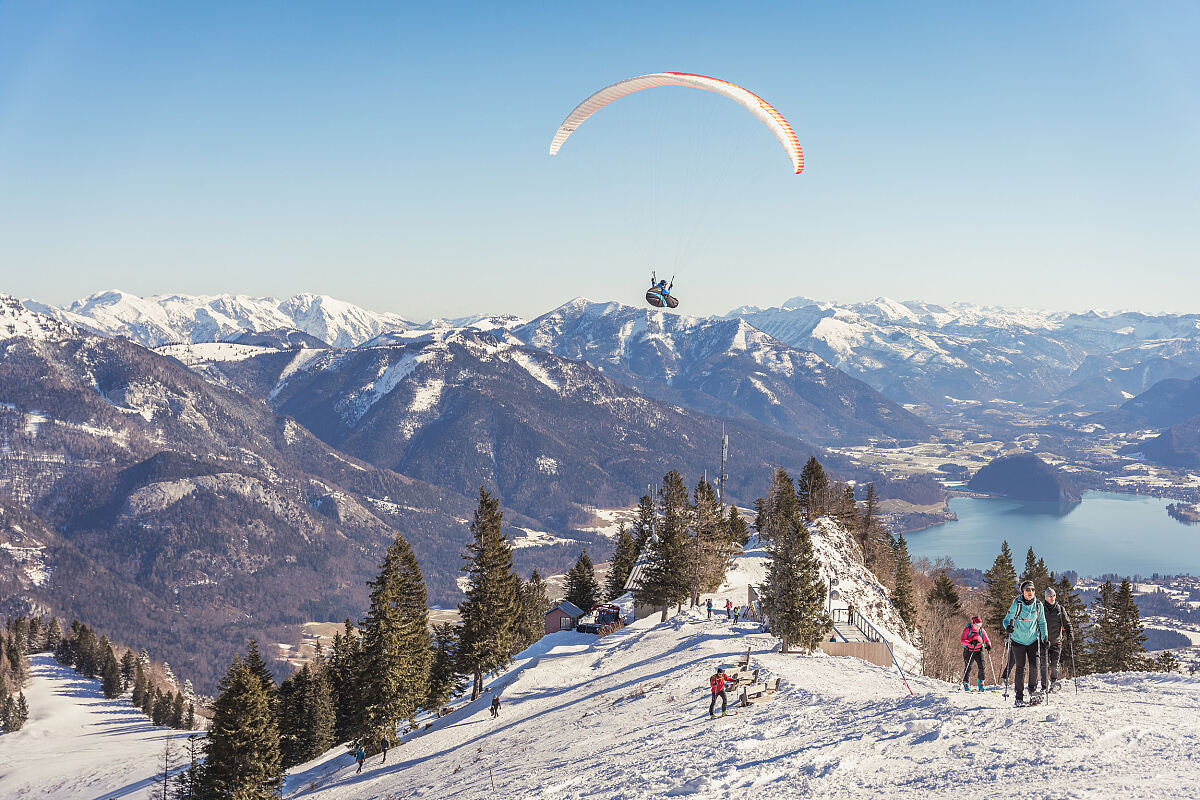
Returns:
(1125, 534)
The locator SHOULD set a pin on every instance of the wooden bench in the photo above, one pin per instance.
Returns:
(758, 692)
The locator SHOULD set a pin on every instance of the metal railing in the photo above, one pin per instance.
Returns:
(872, 634)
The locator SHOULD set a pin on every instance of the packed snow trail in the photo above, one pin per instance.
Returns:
(626, 717)
(77, 744)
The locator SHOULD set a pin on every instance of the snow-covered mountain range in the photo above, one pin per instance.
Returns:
(166, 319)
(925, 353)
(912, 352)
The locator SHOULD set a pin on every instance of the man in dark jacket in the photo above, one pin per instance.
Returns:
(1058, 627)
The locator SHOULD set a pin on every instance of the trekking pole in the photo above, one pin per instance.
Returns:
(967, 671)
(1074, 674)
(1005, 667)
(992, 661)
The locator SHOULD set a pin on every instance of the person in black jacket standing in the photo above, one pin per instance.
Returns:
(1058, 626)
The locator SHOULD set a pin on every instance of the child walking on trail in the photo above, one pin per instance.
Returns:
(974, 640)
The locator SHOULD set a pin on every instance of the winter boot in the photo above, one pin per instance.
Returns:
(966, 686)
(1020, 703)
(981, 684)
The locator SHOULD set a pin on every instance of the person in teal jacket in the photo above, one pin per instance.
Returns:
(1025, 624)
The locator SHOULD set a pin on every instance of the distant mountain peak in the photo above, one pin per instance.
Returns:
(18, 320)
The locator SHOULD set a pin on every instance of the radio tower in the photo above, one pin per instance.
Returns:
(721, 475)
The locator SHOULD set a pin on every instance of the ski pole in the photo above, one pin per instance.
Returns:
(967, 671)
(992, 661)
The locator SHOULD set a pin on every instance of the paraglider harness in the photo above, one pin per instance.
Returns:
(659, 293)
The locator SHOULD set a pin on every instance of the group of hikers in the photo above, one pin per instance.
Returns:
(732, 612)
(1034, 632)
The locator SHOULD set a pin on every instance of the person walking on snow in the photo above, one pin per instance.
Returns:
(495, 706)
(708, 605)
(383, 745)
(1058, 627)
(360, 756)
(1025, 624)
(718, 683)
(974, 639)
(728, 609)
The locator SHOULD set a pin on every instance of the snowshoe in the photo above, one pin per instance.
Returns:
(1020, 703)
(1036, 698)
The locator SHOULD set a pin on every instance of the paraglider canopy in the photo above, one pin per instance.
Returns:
(744, 97)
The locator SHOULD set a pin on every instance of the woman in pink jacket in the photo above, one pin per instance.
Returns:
(974, 641)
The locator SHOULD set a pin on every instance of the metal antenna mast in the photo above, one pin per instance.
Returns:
(721, 475)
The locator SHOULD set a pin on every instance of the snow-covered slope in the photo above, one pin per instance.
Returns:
(626, 717)
(17, 320)
(166, 319)
(77, 744)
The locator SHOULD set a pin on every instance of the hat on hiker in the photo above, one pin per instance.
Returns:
(1050, 592)
(975, 619)
(1026, 585)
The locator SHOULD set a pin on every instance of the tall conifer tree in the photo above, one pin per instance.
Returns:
(793, 594)
(902, 595)
(491, 611)
(1001, 583)
(534, 605)
(665, 575)
(445, 680)
(242, 747)
(582, 588)
(394, 669)
(811, 489)
(624, 556)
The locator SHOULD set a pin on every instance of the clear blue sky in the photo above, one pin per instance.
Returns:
(395, 155)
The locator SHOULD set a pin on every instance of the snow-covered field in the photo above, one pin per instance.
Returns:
(78, 745)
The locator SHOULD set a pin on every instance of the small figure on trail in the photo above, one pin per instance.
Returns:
(495, 706)
(708, 605)
(1058, 624)
(360, 756)
(974, 640)
(718, 683)
(728, 609)
(1025, 624)
(383, 745)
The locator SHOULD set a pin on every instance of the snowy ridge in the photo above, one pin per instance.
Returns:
(18, 321)
(165, 319)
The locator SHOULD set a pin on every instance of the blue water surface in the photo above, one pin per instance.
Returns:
(1106, 533)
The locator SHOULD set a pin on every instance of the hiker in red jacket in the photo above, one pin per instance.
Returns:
(719, 682)
(974, 640)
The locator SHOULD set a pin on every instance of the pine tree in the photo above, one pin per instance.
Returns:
(54, 635)
(110, 677)
(624, 556)
(582, 588)
(1074, 654)
(490, 612)
(665, 575)
(847, 510)
(945, 593)
(394, 670)
(343, 680)
(256, 664)
(160, 708)
(1001, 583)
(176, 719)
(1102, 646)
(902, 595)
(1166, 661)
(445, 680)
(1128, 638)
(793, 594)
(139, 686)
(739, 531)
(643, 529)
(811, 489)
(534, 605)
(242, 760)
(319, 718)
(189, 720)
(128, 669)
(709, 544)
(1035, 570)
